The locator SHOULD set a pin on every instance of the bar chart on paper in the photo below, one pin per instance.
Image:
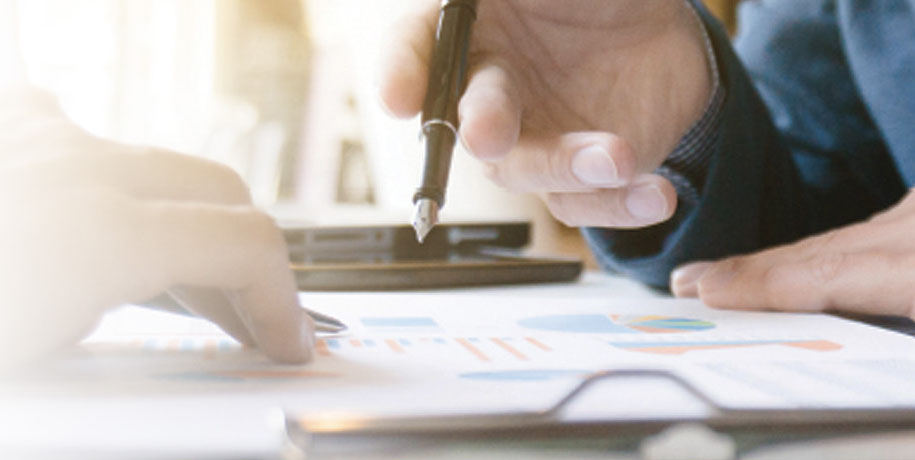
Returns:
(477, 349)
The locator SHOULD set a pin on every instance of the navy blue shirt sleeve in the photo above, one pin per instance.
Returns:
(747, 180)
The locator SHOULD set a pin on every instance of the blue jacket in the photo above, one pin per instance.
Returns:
(817, 130)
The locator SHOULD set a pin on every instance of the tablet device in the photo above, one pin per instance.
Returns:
(390, 258)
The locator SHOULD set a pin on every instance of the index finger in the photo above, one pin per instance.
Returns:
(238, 249)
(403, 70)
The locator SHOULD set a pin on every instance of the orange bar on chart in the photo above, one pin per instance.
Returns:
(321, 347)
(473, 350)
(395, 347)
(538, 344)
(816, 345)
(505, 346)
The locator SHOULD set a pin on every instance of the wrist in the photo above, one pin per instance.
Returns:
(688, 164)
(696, 69)
(672, 82)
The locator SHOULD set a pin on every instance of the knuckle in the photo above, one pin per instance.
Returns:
(615, 212)
(493, 172)
(219, 182)
(266, 246)
(623, 157)
(232, 187)
(264, 228)
(830, 241)
(556, 203)
(272, 238)
(886, 261)
(772, 285)
(771, 278)
(601, 209)
(731, 265)
(587, 209)
(828, 267)
(780, 289)
(557, 171)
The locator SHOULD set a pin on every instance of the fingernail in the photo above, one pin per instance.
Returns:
(718, 278)
(684, 281)
(593, 166)
(646, 202)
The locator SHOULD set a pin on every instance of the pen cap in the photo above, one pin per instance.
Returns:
(447, 68)
(447, 78)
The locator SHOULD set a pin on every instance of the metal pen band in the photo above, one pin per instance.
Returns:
(439, 122)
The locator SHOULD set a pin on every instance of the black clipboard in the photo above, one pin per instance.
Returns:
(758, 425)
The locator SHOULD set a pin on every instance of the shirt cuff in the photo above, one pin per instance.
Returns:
(688, 165)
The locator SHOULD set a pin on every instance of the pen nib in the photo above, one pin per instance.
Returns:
(425, 216)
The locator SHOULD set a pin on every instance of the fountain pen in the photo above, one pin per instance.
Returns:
(447, 75)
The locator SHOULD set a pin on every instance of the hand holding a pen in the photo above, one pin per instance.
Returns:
(90, 224)
(578, 101)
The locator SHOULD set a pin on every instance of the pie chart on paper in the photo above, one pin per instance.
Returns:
(615, 324)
